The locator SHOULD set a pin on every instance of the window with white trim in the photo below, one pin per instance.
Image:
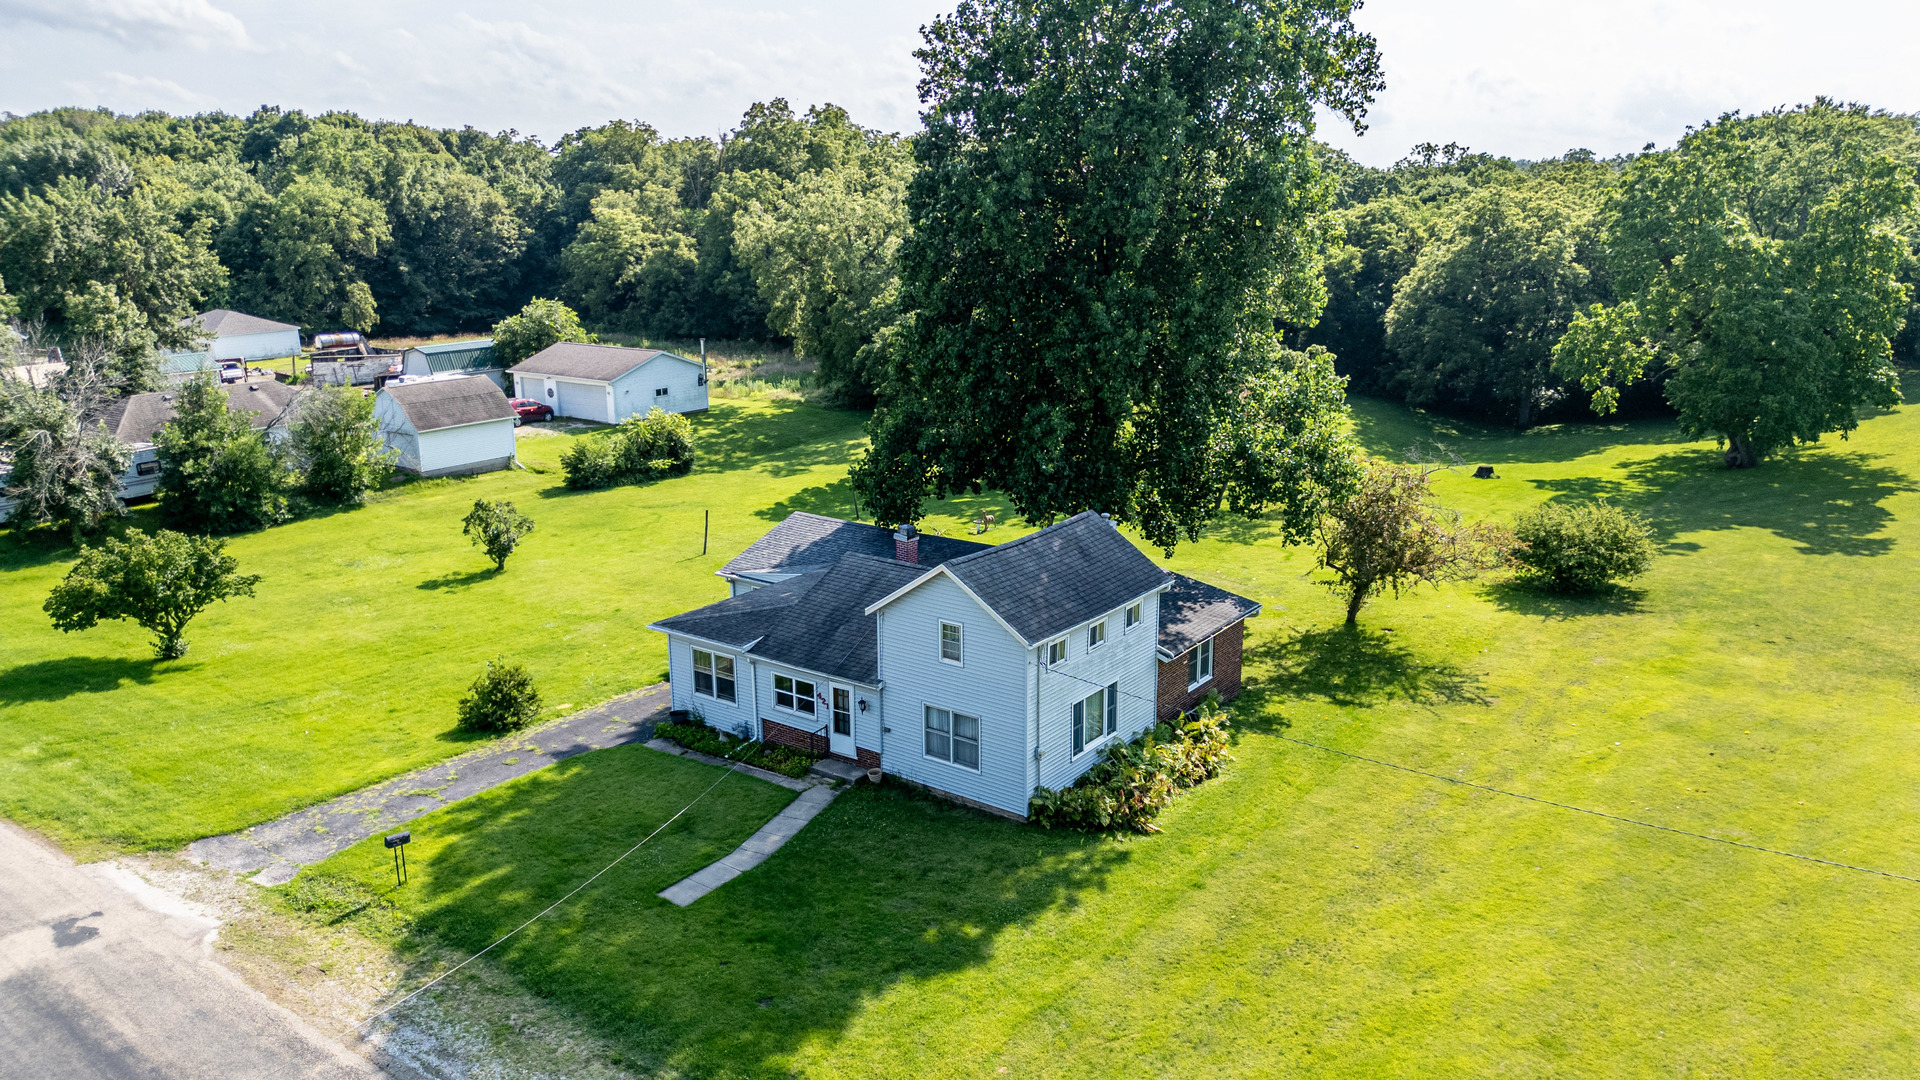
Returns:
(1096, 633)
(1113, 707)
(793, 695)
(713, 675)
(1055, 652)
(950, 642)
(953, 737)
(1200, 664)
(1089, 718)
(1133, 616)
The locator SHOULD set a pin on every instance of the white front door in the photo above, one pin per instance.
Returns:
(840, 723)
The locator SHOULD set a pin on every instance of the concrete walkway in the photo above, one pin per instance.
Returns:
(278, 849)
(105, 977)
(756, 850)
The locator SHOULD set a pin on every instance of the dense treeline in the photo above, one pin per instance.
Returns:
(333, 221)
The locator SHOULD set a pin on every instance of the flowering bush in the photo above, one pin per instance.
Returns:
(1135, 781)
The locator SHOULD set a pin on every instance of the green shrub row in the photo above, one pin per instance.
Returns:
(773, 757)
(1135, 781)
(652, 447)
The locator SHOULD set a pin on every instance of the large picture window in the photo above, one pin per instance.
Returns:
(953, 736)
(950, 642)
(793, 695)
(1200, 664)
(713, 675)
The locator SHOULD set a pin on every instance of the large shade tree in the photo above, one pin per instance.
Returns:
(1116, 201)
(1758, 266)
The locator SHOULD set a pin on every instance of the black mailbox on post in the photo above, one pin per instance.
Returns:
(398, 842)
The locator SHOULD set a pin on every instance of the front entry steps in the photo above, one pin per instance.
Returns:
(836, 769)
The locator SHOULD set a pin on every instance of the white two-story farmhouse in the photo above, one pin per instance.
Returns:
(980, 671)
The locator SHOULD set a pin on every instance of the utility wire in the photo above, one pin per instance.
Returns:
(1601, 814)
(436, 980)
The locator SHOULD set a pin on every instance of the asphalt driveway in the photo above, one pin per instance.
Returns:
(102, 976)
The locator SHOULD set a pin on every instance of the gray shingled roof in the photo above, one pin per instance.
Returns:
(601, 363)
(744, 619)
(1065, 574)
(807, 541)
(225, 322)
(447, 403)
(1192, 611)
(136, 419)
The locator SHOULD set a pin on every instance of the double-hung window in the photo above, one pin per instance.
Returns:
(1200, 664)
(713, 674)
(1096, 633)
(950, 642)
(793, 695)
(1093, 716)
(1133, 616)
(1056, 652)
(953, 737)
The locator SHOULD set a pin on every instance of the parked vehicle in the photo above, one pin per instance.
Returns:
(232, 371)
(529, 411)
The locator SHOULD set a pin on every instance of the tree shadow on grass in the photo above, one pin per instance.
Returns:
(458, 581)
(785, 437)
(886, 886)
(1524, 598)
(1824, 503)
(1387, 429)
(56, 680)
(1356, 667)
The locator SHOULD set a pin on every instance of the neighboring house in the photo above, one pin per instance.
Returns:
(447, 427)
(137, 419)
(609, 383)
(455, 358)
(235, 335)
(981, 672)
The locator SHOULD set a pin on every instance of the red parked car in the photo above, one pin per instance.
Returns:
(529, 411)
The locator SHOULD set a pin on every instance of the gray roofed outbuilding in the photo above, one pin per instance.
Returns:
(805, 541)
(599, 363)
(1192, 611)
(139, 417)
(225, 322)
(1052, 580)
(447, 403)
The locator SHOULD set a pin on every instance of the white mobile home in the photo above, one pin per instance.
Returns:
(447, 427)
(608, 383)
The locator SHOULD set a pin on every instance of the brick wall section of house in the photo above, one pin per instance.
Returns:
(1174, 696)
(799, 739)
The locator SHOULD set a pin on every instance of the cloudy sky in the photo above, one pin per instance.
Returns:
(1528, 78)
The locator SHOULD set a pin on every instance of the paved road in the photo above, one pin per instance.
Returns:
(278, 849)
(102, 976)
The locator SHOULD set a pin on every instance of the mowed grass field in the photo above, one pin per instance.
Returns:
(367, 627)
(1313, 914)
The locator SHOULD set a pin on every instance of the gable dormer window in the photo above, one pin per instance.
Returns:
(1096, 633)
(950, 642)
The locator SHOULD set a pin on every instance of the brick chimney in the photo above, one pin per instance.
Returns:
(906, 544)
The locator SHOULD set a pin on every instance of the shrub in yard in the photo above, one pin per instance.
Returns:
(1582, 549)
(501, 699)
(652, 447)
(1135, 781)
(694, 735)
(497, 528)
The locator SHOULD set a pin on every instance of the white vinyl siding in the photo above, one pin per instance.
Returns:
(271, 345)
(1123, 672)
(639, 390)
(735, 716)
(457, 448)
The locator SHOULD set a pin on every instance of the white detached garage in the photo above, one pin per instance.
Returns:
(452, 427)
(609, 383)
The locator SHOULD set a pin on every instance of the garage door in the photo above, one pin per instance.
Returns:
(585, 400)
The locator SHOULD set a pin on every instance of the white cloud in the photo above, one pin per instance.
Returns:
(153, 24)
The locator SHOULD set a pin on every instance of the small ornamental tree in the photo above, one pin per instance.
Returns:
(501, 699)
(1582, 549)
(540, 324)
(160, 582)
(496, 528)
(336, 445)
(1388, 535)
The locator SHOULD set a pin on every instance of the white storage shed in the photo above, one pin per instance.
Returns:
(447, 427)
(236, 335)
(609, 383)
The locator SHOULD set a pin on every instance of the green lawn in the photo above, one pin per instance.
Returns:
(1308, 914)
(366, 629)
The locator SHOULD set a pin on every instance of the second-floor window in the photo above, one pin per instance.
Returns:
(1096, 634)
(793, 695)
(1133, 615)
(950, 642)
(1200, 664)
(713, 675)
(1056, 652)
